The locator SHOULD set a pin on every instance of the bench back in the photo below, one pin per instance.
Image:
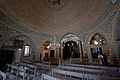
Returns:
(47, 77)
(96, 77)
(68, 73)
(94, 67)
(3, 75)
(82, 70)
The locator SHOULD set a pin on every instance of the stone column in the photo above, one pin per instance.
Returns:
(80, 49)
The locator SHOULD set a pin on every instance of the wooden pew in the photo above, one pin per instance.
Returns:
(48, 77)
(12, 69)
(34, 69)
(46, 63)
(111, 74)
(29, 62)
(22, 73)
(101, 72)
(2, 75)
(96, 77)
(82, 76)
(94, 67)
(66, 74)
(82, 70)
(31, 69)
(109, 68)
(74, 65)
(19, 72)
(24, 64)
(114, 69)
(44, 66)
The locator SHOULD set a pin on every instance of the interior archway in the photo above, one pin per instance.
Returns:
(71, 50)
(45, 50)
(98, 45)
(71, 47)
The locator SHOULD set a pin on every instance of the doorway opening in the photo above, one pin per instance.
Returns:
(6, 57)
(70, 50)
(52, 52)
(45, 50)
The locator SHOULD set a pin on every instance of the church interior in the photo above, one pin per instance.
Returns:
(59, 40)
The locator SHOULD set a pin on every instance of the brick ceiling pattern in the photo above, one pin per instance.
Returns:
(37, 16)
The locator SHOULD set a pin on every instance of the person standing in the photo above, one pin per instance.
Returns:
(101, 59)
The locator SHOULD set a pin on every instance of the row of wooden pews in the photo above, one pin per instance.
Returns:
(83, 72)
(95, 67)
(100, 72)
(29, 70)
(26, 70)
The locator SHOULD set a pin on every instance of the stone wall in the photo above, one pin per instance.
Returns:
(107, 24)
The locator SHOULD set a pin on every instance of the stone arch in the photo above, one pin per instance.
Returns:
(97, 37)
(89, 36)
(69, 36)
(73, 38)
(45, 49)
(99, 47)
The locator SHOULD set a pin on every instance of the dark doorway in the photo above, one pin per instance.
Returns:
(6, 57)
(46, 54)
(71, 50)
(51, 53)
(95, 51)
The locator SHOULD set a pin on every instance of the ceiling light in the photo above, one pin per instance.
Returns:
(68, 44)
(95, 42)
(48, 47)
(72, 44)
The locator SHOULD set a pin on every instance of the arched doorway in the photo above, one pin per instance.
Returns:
(98, 45)
(45, 50)
(71, 47)
(71, 50)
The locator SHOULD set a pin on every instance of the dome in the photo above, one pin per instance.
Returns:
(43, 17)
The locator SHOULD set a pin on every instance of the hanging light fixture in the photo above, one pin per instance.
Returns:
(54, 2)
(96, 42)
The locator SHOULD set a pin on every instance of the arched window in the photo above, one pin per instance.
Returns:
(27, 50)
(97, 39)
(45, 48)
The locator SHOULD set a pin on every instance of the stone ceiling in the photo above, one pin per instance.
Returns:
(41, 16)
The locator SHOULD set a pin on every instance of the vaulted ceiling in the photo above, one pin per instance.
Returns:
(41, 16)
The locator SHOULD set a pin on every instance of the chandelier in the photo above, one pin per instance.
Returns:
(54, 2)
